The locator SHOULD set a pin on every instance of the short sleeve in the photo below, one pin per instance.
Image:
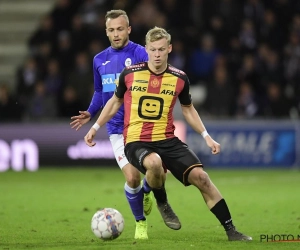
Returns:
(184, 96)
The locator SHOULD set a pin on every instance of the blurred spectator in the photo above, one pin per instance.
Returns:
(138, 27)
(197, 10)
(219, 100)
(10, 110)
(81, 78)
(272, 70)
(254, 10)
(160, 20)
(61, 15)
(234, 56)
(42, 106)
(27, 76)
(203, 59)
(269, 32)
(43, 55)
(219, 32)
(296, 25)
(44, 34)
(292, 58)
(147, 12)
(177, 57)
(247, 36)
(121, 4)
(70, 103)
(284, 11)
(96, 31)
(231, 11)
(276, 106)
(249, 73)
(79, 35)
(64, 52)
(170, 9)
(261, 57)
(221, 61)
(247, 105)
(90, 10)
(53, 80)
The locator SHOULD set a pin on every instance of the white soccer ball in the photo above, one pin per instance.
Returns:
(107, 224)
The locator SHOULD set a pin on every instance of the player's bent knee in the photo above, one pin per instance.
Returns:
(204, 181)
(133, 181)
(153, 163)
(199, 178)
(132, 176)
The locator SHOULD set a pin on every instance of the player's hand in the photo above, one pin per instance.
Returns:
(80, 120)
(89, 137)
(215, 147)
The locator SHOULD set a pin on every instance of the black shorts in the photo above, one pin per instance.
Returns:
(176, 156)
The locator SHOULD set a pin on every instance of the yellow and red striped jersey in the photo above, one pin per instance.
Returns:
(149, 100)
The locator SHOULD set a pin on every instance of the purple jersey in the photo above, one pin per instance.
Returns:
(107, 66)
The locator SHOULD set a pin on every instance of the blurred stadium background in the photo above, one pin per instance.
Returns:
(242, 57)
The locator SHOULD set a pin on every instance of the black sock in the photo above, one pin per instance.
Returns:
(221, 211)
(160, 194)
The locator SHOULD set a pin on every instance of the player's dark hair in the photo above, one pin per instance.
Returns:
(112, 14)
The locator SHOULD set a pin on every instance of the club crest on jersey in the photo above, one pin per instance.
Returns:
(154, 83)
(128, 62)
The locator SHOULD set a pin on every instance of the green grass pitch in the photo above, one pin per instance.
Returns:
(52, 209)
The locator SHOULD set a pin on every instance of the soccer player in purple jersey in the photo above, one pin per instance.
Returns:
(107, 66)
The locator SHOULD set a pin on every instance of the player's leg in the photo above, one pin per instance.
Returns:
(187, 168)
(117, 141)
(155, 174)
(149, 163)
(159, 193)
(134, 195)
(132, 188)
(215, 202)
(155, 177)
(147, 201)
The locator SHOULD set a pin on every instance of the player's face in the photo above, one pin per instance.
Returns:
(118, 32)
(158, 52)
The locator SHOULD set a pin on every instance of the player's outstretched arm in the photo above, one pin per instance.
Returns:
(109, 110)
(193, 119)
(85, 116)
(81, 119)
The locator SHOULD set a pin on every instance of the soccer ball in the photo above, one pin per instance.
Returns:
(107, 224)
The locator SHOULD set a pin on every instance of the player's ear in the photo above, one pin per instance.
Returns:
(170, 48)
(129, 29)
(106, 32)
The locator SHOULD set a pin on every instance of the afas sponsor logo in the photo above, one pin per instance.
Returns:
(144, 89)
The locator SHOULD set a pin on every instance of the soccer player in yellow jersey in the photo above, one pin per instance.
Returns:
(149, 91)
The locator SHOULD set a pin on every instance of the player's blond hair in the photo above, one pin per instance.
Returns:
(156, 34)
(113, 14)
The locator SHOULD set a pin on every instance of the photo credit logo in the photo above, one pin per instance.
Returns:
(279, 238)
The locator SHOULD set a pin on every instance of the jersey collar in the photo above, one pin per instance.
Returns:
(127, 47)
(155, 73)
